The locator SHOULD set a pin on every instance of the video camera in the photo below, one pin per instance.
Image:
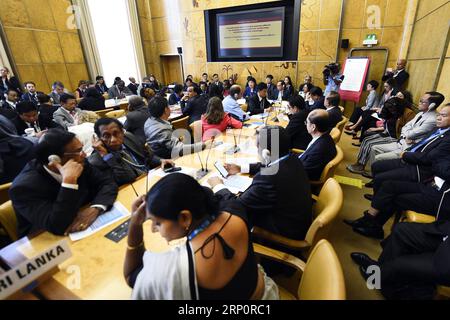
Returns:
(331, 68)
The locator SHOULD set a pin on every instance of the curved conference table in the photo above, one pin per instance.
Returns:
(95, 270)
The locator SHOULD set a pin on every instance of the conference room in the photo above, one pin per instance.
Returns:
(224, 150)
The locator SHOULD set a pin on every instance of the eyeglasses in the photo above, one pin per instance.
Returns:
(74, 154)
(423, 101)
(443, 115)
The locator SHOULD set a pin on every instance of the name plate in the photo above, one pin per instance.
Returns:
(31, 269)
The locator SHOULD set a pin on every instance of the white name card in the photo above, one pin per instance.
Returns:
(31, 269)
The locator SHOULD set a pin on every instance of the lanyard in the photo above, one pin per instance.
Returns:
(200, 228)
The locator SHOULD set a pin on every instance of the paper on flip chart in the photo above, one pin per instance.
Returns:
(117, 212)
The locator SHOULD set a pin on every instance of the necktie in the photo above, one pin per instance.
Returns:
(425, 141)
(128, 158)
(418, 119)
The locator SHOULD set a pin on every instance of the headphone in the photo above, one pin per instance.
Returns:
(54, 158)
(265, 154)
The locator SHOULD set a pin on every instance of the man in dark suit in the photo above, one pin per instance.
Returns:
(176, 96)
(279, 198)
(281, 94)
(9, 83)
(217, 82)
(194, 104)
(415, 258)
(8, 106)
(415, 163)
(137, 116)
(133, 86)
(332, 101)
(322, 149)
(31, 94)
(314, 99)
(30, 118)
(258, 103)
(119, 91)
(296, 129)
(427, 197)
(400, 75)
(50, 196)
(271, 88)
(121, 154)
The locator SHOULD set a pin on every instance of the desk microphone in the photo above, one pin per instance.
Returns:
(204, 170)
(235, 148)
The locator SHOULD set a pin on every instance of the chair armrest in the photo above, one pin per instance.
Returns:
(279, 256)
(315, 198)
(316, 183)
(298, 151)
(299, 245)
(411, 216)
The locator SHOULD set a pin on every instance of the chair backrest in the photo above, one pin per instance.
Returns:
(244, 107)
(326, 209)
(8, 220)
(323, 278)
(330, 168)
(197, 131)
(182, 123)
(335, 134)
(102, 113)
(341, 126)
(115, 114)
(4, 196)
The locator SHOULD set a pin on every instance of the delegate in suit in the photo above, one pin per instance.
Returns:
(279, 198)
(50, 196)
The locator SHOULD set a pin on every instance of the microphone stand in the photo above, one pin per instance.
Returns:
(204, 170)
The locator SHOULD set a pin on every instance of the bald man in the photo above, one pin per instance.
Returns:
(400, 75)
(231, 106)
(322, 149)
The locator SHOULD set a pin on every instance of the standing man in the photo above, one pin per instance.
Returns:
(399, 74)
(332, 79)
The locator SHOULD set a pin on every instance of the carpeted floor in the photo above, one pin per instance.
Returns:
(343, 238)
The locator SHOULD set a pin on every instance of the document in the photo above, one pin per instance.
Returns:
(117, 212)
(235, 184)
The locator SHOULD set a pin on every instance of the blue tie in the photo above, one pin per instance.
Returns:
(425, 141)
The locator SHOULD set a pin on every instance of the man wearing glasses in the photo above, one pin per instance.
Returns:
(121, 154)
(414, 131)
(59, 191)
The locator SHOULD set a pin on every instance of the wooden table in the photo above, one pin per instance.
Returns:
(95, 271)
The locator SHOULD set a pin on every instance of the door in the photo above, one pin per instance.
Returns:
(171, 69)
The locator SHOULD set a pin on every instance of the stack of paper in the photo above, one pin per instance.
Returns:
(118, 212)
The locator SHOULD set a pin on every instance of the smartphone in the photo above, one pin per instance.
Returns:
(219, 166)
(168, 168)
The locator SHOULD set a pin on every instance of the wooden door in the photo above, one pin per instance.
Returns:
(171, 69)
